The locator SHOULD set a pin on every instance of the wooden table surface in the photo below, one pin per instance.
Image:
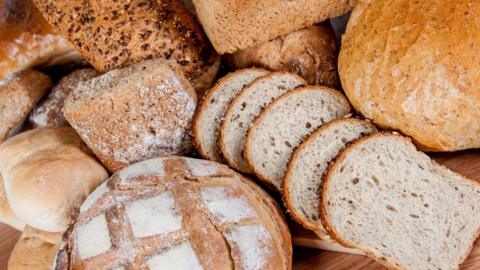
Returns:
(466, 163)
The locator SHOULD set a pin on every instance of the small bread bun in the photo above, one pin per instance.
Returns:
(47, 174)
(7, 215)
(35, 250)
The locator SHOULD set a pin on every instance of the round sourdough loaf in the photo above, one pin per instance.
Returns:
(177, 213)
(47, 174)
(7, 215)
(310, 52)
(35, 250)
(413, 66)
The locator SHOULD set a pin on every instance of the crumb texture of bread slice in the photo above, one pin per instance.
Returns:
(210, 112)
(308, 164)
(285, 123)
(245, 107)
(392, 201)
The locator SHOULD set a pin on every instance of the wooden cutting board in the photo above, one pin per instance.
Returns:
(466, 163)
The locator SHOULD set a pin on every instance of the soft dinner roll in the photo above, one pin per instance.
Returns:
(35, 250)
(178, 213)
(7, 215)
(47, 174)
(413, 66)
(27, 40)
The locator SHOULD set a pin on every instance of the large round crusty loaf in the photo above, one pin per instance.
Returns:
(47, 173)
(284, 124)
(135, 113)
(243, 109)
(49, 111)
(18, 95)
(35, 250)
(235, 25)
(177, 213)
(27, 40)
(114, 34)
(208, 118)
(7, 215)
(310, 52)
(412, 66)
(386, 198)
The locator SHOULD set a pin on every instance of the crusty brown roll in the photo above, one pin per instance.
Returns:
(310, 52)
(27, 40)
(234, 25)
(7, 215)
(18, 95)
(178, 213)
(135, 113)
(47, 172)
(49, 111)
(35, 250)
(413, 66)
(114, 34)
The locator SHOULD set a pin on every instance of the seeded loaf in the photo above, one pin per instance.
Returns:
(18, 95)
(7, 215)
(244, 108)
(49, 111)
(47, 173)
(383, 196)
(284, 124)
(135, 113)
(35, 250)
(307, 165)
(310, 52)
(27, 40)
(411, 66)
(177, 213)
(236, 25)
(210, 112)
(115, 34)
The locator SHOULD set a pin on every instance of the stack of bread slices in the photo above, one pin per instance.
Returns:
(354, 186)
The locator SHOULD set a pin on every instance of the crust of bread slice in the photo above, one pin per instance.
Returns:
(249, 145)
(202, 108)
(287, 197)
(323, 200)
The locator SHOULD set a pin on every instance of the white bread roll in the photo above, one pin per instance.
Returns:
(35, 250)
(7, 215)
(47, 174)
(413, 66)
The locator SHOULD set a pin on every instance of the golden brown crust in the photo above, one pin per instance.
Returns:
(248, 146)
(407, 66)
(115, 34)
(234, 25)
(324, 190)
(18, 95)
(7, 215)
(310, 52)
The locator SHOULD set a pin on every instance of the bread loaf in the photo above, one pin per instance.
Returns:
(177, 213)
(7, 215)
(47, 174)
(49, 111)
(135, 113)
(310, 52)
(383, 196)
(18, 94)
(412, 66)
(210, 112)
(115, 34)
(284, 124)
(308, 164)
(27, 40)
(236, 25)
(35, 250)
(244, 108)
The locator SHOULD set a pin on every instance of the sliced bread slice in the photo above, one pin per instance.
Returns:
(245, 107)
(383, 196)
(285, 123)
(211, 110)
(301, 191)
